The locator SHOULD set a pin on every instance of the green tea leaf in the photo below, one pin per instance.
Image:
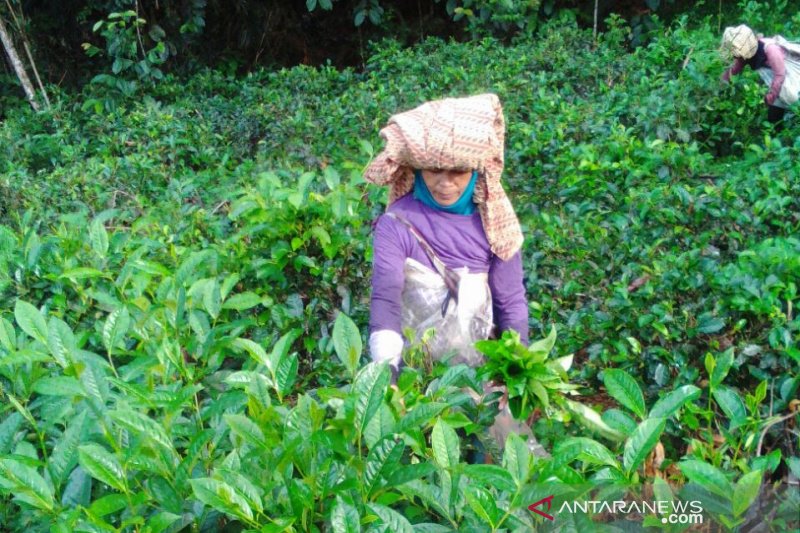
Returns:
(721, 368)
(544, 346)
(21, 409)
(430, 495)
(255, 350)
(306, 417)
(623, 388)
(482, 504)
(731, 404)
(445, 445)
(244, 487)
(592, 420)
(242, 301)
(27, 483)
(428, 527)
(792, 462)
(585, 449)
(212, 298)
(541, 393)
(768, 462)
(620, 421)
(709, 362)
(708, 324)
(382, 459)
(347, 342)
(746, 491)
(110, 503)
(228, 284)
(517, 459)
(286, 374)
(221, 496)
(161, 521)
(391, 519)
(79, 273)
(145, 426)
(282, 347)
(103, 466)
(24, 357)
(419, 416)
(166, 496)
(369, 388)
(760, 392)
(707, 476)
(98, 238)
(405, 473)
(115, 328)
(641, 442)
(320, 233)
(669, 404)
(94, 383)
(59, 386)
(8, 337)
(187, 272)
(381, 425)
(491, 476)
(31, 321)
(246, 429)
(61, 341)
(345, 518)
(8, 429)
(662, 490)
(278, 525)
(78, 489)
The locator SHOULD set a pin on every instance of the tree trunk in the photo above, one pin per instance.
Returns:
(35, 72)
(8, 44)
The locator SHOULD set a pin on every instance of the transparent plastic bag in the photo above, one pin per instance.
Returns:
(464, 322)
(790, 91)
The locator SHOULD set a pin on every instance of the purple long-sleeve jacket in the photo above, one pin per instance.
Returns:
(459, 240)
(775, 60)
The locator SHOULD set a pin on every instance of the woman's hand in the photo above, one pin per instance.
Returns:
(497, 387)
(503, 403)
(770, 98)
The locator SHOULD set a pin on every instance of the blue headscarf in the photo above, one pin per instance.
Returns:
(463, 206)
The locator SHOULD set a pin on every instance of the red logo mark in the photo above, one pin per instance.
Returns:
(548, 501)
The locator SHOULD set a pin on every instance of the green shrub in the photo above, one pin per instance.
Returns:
(175, 274)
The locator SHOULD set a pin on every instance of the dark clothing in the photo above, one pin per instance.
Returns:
(775, 115)
(759, 60)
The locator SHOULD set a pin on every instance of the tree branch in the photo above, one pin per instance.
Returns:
(19, 68)
(766, 428)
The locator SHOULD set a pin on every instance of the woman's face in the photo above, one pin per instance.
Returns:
(446, 186)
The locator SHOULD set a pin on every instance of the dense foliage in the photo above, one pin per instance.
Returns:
(184, 287)
(184, 35)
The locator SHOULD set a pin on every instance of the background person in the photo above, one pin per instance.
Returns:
(775, 59)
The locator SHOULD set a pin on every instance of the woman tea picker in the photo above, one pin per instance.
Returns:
(775, 59)
(446, 253)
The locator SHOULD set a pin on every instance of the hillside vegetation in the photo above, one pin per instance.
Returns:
(184, 290)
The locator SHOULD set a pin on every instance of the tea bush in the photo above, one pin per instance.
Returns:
(177, 273)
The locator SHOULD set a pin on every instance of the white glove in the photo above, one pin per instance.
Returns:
(386, 346)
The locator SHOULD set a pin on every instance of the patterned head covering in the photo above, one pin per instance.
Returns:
(740, 40)
(456, 134)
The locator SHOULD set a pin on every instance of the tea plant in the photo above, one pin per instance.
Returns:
(531, 380)
(184, 285)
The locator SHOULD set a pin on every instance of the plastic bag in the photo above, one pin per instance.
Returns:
(790, 91)
(464, 322)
